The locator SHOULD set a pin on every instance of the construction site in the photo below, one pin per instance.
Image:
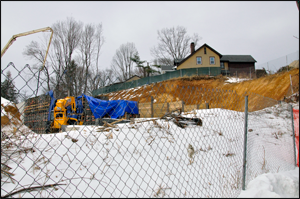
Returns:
(45, 114)
(108, 104)
(186, 93)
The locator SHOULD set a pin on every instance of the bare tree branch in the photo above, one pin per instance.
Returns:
(73, 60)
(173, 44)
(122, 65)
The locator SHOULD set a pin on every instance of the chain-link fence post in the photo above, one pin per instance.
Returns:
(294, 146)
(245, 141)
(152, 110)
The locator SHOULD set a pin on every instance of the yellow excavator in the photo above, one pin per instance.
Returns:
(14, 37)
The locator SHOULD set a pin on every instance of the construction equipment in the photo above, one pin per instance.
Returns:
(84, 110)
(67, 111)
(64, 113)
(14, 37)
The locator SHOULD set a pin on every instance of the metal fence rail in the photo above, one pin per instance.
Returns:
(194, 149)
(274, 65)
(211, 71)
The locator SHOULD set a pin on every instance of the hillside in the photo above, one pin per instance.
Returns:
(275, 86)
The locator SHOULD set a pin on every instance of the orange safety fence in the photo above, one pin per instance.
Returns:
(296, 128)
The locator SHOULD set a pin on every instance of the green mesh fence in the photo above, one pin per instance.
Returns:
(212, 71)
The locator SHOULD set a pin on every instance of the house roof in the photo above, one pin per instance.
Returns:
(132, 78)
(204, 45)
(178, 60)
(238, 58)
(166, 68)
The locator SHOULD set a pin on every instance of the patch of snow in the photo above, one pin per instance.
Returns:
(235, 80)
(6, 102)
(284, 184)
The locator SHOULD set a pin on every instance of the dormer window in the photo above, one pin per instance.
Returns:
(204, 50)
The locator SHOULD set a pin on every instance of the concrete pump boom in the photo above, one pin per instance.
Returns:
(14, 37)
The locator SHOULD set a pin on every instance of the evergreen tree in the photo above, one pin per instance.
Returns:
(8, 89)
(139, 63)
(147, 69)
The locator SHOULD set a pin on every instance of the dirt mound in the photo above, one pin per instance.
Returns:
(276, 86)
(11, 124)
(294, 64)
(10, 115)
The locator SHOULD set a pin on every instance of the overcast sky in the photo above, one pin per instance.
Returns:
(263, 29)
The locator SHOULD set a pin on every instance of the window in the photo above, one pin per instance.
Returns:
(222, 65)
(204, 50)
(199, 61)
(212, 60)
(59, 115)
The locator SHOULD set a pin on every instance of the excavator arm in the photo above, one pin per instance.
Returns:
(14, 37)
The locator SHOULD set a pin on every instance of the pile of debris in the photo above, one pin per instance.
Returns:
(174, 116)
(292, 99)
(181, 121)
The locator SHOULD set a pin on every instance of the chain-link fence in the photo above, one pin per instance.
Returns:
(273, 66)
(190, 144)
(211, 71)
(270, 137)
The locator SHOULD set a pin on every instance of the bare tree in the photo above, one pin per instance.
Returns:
(90, 46)
(162, 61)
(100, 79)
(122, 65)
(73, 56)
(66, 37)
(37, 52)
(99, 41)
(174, 43)
(23, 95)
(139, 71)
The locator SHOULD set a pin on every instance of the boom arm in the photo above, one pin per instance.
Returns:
(14, 37)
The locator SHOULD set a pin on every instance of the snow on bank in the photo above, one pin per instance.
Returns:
(137, 160)
(6, 102)
(236, 80)
(271, 132)
(144, 159)
(284, 184)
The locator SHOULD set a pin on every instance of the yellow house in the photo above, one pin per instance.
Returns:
(204, 56)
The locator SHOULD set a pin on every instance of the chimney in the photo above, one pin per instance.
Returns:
(192, 47)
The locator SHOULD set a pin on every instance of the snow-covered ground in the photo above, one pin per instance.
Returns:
(149, 158)
(284, 184)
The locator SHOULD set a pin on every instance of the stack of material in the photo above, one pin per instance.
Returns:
(36, 113)
(89, 117)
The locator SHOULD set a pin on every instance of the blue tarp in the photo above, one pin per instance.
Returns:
(52, 103)
(100, 108)
(114, 108)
